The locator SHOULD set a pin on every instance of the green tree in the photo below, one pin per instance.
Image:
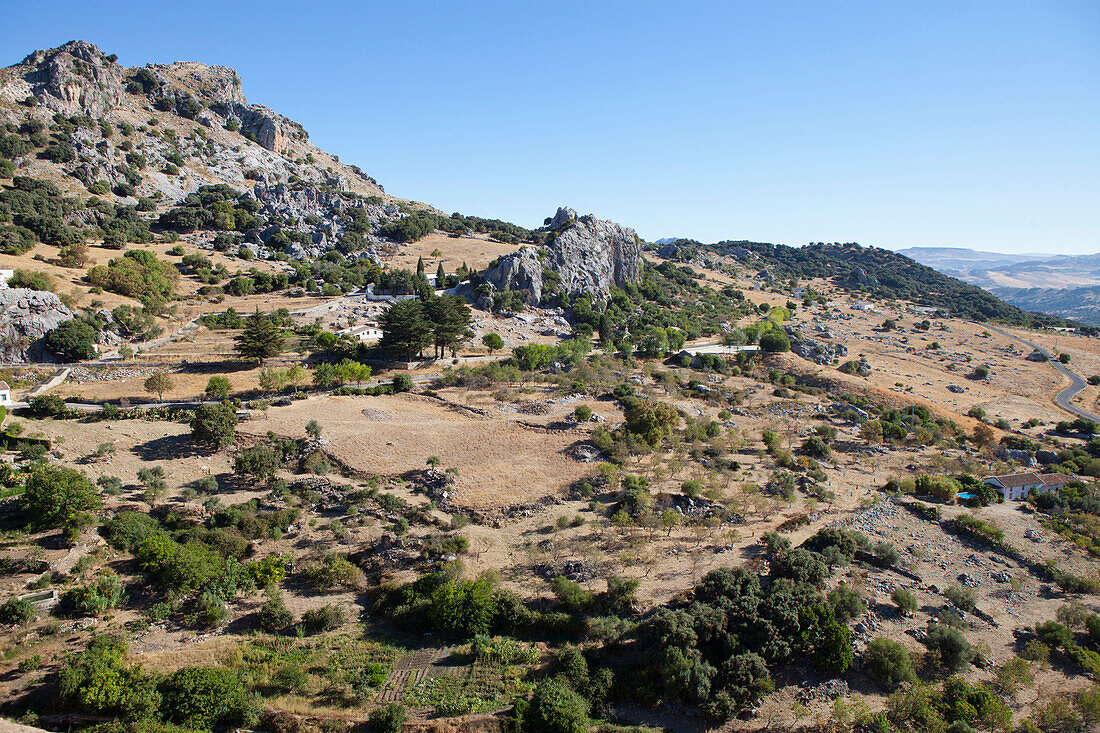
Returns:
(775, 341)
(493, 342)
(652, 420)
(260, 339)
(405, 329)
(450, 318)
(214, 425)
(205, 698)
(52, 496)
(218, 388)
(259, 461)
(72, 340)
(159, 383)
(313, 429)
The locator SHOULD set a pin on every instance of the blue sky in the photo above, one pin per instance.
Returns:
(887, 123)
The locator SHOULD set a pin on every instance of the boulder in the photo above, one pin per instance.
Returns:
(588, 255)
(520, 271)
(25, 317)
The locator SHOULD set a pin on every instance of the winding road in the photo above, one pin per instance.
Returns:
(1064, 399)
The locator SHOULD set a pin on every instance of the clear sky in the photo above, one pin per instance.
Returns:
(970, 124)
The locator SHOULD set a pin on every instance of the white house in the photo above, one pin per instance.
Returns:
(6, 275)
(5, 394)
(1017, 486)
(365, 332)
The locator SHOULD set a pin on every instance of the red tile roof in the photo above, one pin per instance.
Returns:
(1018, 479)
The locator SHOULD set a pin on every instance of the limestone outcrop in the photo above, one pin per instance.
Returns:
(25, 317)
(586, 253)
(76, 78)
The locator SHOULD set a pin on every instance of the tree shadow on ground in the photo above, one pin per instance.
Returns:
(169, 447)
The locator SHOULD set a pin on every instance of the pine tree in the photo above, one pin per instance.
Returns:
(450, 320)
(420, 267)
(260, 339)
(405, 330)
(440, 276)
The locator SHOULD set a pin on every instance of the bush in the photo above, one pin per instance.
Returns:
(387, 719)
(214, 425)
(889, 662)
(402, 383)
(94, 599)
(98, 681)
(961, 598)
(846, 602)
(273, 616)
(258, 461)
(15, 612)
(205, 698)
(951, 647)
(582, 413)
(325, 618)
(555, 708)
(904, 600)
(334, 571)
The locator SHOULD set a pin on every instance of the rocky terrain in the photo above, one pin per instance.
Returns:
(586, 255)
(26, 316)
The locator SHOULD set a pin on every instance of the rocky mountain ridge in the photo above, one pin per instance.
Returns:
(162, 131)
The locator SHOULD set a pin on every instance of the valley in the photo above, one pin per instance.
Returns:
(283, 452)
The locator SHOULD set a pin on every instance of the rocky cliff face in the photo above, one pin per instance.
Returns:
(181, 111)
(25, 317)
(588, 255)
(76, 78)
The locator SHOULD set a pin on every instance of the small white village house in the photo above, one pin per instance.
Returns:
(1017, 486)
(5, 394)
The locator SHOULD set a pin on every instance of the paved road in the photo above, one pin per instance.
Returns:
(1077, 383)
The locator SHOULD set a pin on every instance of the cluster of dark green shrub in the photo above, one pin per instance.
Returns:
(99, 681)
(1074, 512)
(667, 296)
(215, 206)
(419, 224)
(884, 274)
(718, 651)
(137, 274)
(33, 212)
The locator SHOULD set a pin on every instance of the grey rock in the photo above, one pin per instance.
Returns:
(1020, 456)
(589, 255)
(520, 271)
(25, 317)
(76, 78)
(818, 352)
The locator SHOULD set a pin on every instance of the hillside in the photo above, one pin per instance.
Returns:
(879, 273)
(1063, 285)
(960, 262)
(321, 460)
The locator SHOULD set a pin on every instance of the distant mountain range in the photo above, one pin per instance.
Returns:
(1062, 285)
